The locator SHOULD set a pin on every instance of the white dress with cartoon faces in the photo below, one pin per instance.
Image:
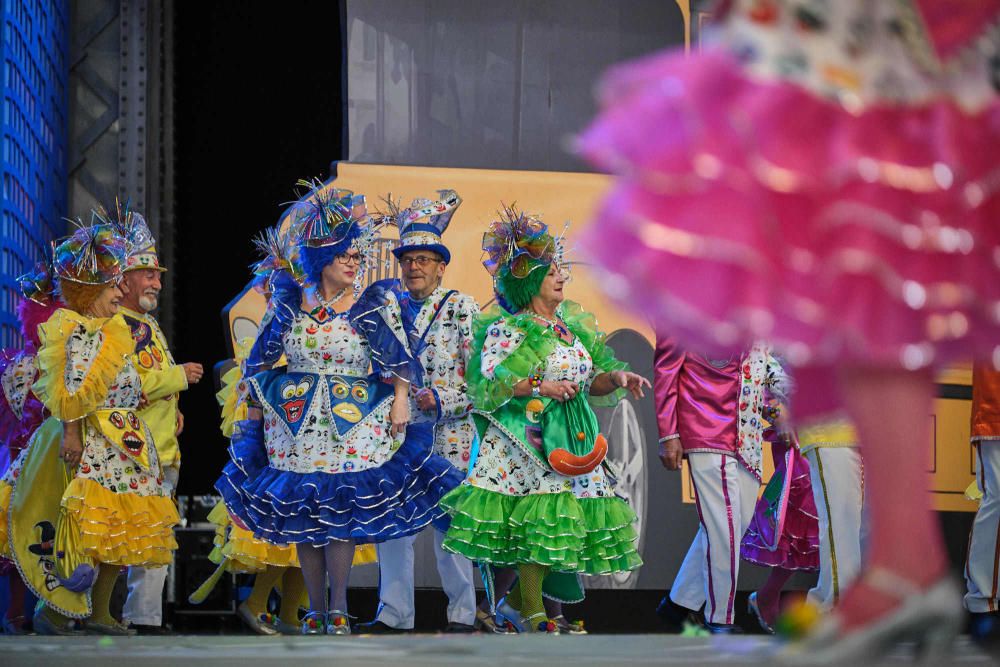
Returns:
(118, 448)
(324, 412)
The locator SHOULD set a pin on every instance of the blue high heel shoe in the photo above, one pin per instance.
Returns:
(508, 615)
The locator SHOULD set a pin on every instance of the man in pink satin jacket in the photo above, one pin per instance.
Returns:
(700, 403)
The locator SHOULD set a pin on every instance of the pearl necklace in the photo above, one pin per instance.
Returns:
(556, 326)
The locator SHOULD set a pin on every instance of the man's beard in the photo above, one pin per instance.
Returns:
(148, 302)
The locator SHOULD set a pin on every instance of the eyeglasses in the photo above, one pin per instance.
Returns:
(419, 260)
(561, 270)
(349, 258)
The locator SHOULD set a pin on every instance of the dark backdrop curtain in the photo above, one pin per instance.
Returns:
(259, 103)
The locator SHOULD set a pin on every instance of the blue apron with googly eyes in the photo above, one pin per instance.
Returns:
(289, 395)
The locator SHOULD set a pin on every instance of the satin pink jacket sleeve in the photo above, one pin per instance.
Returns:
(667, 361)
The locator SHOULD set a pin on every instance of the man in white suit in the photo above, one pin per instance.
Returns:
(437, 327)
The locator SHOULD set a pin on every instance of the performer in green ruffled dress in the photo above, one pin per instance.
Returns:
(539, 495)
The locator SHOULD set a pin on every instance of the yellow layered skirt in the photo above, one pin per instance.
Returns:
(242, 552)
(119, 528)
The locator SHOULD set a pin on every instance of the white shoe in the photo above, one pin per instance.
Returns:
(258, 624)
(932, 618)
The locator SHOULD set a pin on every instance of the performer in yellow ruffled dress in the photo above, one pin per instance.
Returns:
(90, 496)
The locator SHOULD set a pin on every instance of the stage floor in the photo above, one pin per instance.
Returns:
(409, 651)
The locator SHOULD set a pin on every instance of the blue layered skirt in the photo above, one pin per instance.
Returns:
(322, 464)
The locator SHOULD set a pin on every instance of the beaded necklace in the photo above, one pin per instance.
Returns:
(328, 305)
(556, 326)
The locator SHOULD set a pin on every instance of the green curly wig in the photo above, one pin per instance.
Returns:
(517, 292)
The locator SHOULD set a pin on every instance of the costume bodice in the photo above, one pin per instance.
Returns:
(126, 392)
(569, 362)
(326, 346)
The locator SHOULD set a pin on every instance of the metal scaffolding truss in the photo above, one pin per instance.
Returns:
(93, 84)
(120, 130)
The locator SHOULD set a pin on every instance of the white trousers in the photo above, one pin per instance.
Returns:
(144, 605)
(837, 486)
(725, 495)
(982, 568)
(395, 563)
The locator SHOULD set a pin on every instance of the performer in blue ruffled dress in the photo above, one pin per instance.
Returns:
(325, 459)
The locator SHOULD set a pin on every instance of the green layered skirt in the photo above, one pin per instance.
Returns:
(512, 509)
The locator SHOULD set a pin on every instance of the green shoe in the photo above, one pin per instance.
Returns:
(108, 629)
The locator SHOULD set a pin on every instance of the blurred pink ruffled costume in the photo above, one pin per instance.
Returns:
(827, 180)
